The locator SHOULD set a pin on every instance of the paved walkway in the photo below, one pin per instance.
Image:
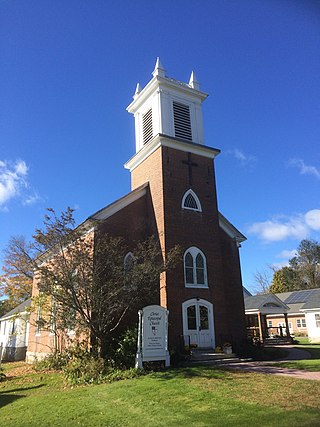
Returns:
(272, 368)
(294, 353)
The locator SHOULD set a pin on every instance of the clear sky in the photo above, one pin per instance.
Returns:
(68, 70)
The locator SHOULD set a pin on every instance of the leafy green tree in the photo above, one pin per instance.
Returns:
(284, 280)
(303, 271)
(307, 264)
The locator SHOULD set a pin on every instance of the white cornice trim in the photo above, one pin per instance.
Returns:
(158, 81)
(230, 229)
(119, 204)
(167, 141)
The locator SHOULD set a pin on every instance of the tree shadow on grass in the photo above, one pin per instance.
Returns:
(6, 397)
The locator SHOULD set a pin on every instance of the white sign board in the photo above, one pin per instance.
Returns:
(153, 335)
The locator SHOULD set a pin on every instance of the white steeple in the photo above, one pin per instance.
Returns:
(166, 107)
(158, 69)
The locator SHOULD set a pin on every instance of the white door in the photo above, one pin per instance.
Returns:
(198, 322)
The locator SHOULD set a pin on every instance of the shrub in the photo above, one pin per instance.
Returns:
(2, 374)
(84, 369)
(55, 361)
(79, 366)
(124, 349)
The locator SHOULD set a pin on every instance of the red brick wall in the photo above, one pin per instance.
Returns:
(169, 180)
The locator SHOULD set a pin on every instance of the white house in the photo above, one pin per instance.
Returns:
(14, 332)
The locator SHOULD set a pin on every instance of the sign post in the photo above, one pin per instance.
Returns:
(152, 335)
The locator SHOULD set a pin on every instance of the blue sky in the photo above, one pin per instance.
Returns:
(68, 69)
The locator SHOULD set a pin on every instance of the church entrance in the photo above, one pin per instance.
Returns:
(198, 322)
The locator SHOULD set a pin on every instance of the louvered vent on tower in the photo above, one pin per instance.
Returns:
(182, 122)
(147, 126)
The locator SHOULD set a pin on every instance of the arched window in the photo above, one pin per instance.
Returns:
(128, 262)
(195, 268)
(191, 201)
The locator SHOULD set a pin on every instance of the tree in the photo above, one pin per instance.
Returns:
(80, 275)
(263, 279)
(16, 282)
(307, 264)
(303, 271)
(284, 280)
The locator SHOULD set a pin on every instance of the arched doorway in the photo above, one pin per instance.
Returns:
(197, 315)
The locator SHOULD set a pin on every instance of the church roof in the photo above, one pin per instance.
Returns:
(19, 309)
(264, 303)
(119, 204)
(230, 229)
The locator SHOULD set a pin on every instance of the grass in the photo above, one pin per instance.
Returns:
(198, 396)
(312, 364)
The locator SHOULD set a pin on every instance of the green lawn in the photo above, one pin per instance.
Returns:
(312, 364)
(200, 396)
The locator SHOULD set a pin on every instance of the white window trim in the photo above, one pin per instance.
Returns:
(196, 199)
(301, 324)
(194, 251)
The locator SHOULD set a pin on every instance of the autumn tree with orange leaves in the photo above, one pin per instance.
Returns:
(17, 277)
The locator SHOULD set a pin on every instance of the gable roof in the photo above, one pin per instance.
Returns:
(119, 204)
(102, 214)
(19, 309)
(265, 304)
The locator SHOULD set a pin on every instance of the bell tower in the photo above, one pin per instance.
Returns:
(167, 107)
(179, 169)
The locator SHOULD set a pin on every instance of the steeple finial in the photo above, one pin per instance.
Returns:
(138, 90)
(193, 82)
(158, 69)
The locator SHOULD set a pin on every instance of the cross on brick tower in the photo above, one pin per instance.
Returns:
(190, 164)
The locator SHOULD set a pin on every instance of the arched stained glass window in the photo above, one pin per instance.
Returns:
(200, 269)
(191, 201)
(188, 262)
(195, 268)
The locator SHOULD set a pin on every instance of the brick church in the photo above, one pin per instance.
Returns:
(173, 195)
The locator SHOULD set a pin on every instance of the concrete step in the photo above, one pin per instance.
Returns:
(216, 362)
(277, 341)
(210, 355)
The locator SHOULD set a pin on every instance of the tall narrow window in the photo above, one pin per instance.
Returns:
(200, 269)
(317, 318)
(191, 201)
(147, 129)
(39, 319)
(53, 316)
(188, 265)
(182, 122)
(195, 269)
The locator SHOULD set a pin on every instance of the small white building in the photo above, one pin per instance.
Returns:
(311, 310)
(14, 332)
